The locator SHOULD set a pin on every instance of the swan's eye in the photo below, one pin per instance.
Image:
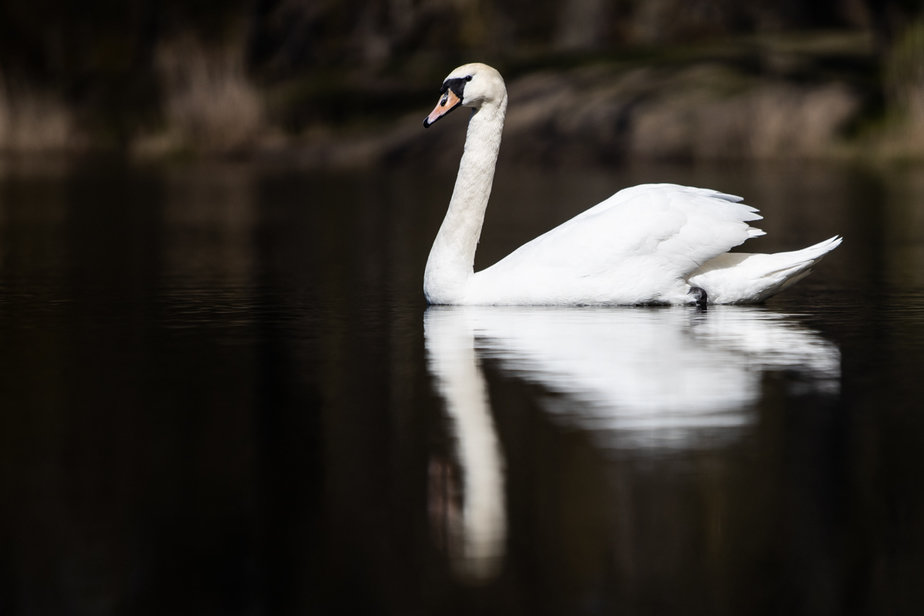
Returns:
(468, 78)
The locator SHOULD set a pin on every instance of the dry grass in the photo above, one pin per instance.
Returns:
(209, 104)
(904, 72)
(904, 83)
(32, 121)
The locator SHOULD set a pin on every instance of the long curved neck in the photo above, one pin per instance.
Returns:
(452, 258)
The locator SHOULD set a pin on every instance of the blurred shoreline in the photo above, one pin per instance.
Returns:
(814, 95)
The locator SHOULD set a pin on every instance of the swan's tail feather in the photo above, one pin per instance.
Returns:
(817, 251)
(802, 262)
(738, 278)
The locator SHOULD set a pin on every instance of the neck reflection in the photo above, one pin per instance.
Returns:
(474, 533)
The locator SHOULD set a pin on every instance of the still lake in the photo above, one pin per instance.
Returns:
(223, 393)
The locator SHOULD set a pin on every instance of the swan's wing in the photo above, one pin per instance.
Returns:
(639, 243)
(680, 225)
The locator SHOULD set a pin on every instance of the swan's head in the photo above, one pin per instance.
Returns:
(470, 85)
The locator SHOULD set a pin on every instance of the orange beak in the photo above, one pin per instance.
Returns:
(448, 101)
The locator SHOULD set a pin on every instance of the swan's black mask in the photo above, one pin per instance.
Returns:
(451, 95)
(457, 85)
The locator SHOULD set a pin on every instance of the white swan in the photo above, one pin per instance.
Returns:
(653, 243)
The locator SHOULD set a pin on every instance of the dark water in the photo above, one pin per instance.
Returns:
(222, 393)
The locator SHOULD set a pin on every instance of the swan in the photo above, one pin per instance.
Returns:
(648, 244)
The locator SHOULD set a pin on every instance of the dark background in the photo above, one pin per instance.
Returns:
(161, 78)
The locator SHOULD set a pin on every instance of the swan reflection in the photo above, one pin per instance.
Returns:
(670, 378)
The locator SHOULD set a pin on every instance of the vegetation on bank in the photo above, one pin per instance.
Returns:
(343, 83)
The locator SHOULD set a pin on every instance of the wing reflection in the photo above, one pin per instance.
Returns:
(651, 378)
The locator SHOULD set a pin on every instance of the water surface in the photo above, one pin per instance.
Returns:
(223, 393)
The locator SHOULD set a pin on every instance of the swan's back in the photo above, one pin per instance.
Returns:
(638, 246)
